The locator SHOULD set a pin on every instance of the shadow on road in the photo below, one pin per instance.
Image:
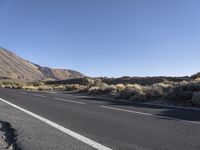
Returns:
(176, 113)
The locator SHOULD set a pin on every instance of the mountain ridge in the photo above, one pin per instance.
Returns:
(13, 66)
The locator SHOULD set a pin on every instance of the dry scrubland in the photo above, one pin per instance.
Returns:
(183, 91)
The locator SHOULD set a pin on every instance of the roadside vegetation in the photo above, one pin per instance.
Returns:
(184, 91)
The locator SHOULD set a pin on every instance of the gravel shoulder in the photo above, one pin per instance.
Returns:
(8, 137)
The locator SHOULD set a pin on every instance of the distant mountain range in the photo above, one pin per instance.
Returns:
(15, 67)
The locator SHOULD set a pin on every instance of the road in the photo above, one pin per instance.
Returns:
(111, 124)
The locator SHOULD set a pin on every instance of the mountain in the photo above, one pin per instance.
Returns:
(15, 67)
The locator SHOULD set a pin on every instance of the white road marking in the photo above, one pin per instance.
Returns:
(61, 128)
(38, 95)
(152, 115)
(66, 100)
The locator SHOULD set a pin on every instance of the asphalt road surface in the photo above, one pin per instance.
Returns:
(79, 122)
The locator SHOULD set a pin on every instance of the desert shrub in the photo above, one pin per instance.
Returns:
(99, 83)
(197, 80)
(182, 93)
(120, 87)
(138, 97)
(2, 86)
(89, 82)
(71, 87)
(177, 94)
(193, 86)
(45, 88)
(103, 89)
(143, 93)
(95, 90)
(75, 87)
(196, 98)
(112, 90)
(153, 92)
(58, 87)
(30, 87)
(11, 85)
(165, 85)
(157, 91)
(132, 92)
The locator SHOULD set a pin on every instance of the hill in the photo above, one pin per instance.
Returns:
(14, 67)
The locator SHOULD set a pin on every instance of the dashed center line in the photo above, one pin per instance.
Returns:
(151, 115)
(56, 98)
(66, 100)
(38, 95)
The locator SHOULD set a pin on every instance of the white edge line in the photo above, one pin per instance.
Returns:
(65, 100)
(61, 128)
(152, 115)
(38, 95)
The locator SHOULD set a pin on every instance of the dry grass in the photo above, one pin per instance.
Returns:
(101, 88)
(132, 91)
(182, 93)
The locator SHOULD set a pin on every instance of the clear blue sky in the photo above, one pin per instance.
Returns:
(105, 37)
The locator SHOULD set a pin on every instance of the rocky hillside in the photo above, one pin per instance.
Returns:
(15, 67)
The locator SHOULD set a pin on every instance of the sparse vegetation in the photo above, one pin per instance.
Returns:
(183, 92)
(196, 98)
